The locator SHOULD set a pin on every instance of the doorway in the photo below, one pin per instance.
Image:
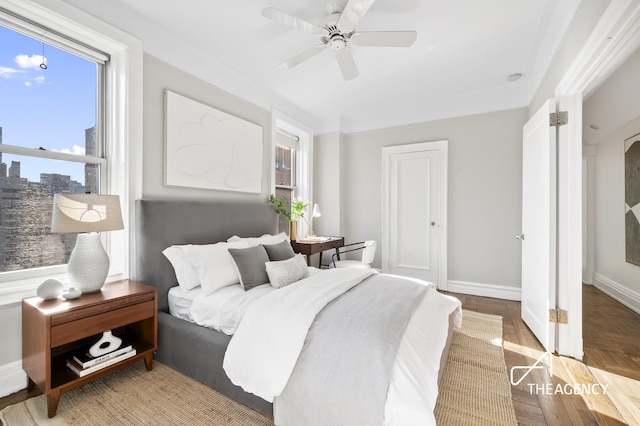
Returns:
(614, 38)
(415, 211)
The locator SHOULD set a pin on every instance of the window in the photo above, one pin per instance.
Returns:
(51, 139)
(285, 166)
(292, 171)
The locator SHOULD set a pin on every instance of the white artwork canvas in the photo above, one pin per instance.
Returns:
(210, 149)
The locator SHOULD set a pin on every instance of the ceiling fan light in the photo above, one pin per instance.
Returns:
(338, 42)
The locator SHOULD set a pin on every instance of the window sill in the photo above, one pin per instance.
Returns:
(12, 292)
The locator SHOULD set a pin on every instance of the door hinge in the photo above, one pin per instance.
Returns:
(558, 119)
(558, 316)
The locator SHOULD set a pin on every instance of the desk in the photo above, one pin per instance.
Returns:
(310, 247)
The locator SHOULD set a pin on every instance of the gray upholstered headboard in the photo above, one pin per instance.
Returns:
(162, 223)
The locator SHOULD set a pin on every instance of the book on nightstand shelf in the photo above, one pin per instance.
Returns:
(85, 359)
(77, 368)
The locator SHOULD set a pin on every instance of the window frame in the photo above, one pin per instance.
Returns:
(303, 187)
(122, 130)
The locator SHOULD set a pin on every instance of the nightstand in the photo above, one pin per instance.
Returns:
(52, 330)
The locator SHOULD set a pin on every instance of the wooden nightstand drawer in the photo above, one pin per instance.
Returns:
(71, 331)
(108, 306)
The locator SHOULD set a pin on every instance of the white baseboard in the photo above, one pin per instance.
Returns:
(627, 297)
(484, 290)
(12, 378)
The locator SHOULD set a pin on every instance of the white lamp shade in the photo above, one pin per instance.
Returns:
(86, 213)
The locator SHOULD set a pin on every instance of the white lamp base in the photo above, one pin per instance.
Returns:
(88, 265)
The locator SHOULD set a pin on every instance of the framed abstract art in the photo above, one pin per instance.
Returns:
(210, 149)
(632, 198)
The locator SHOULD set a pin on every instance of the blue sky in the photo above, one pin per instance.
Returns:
(44, 108)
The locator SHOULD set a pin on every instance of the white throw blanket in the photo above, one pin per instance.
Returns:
(280, 321)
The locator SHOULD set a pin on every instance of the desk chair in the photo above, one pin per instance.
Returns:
(368, 253)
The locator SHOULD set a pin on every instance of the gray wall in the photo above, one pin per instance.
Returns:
(485, 190)
(159, 75)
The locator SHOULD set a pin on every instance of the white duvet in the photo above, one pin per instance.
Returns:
(271, 333)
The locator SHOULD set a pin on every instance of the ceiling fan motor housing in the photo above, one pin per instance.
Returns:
(336, 39)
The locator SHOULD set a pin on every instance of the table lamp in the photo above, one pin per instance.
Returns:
(314, 213)
(87, 214)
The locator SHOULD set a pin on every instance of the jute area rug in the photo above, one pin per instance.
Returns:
(475, 390)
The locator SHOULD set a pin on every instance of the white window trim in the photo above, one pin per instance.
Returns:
(304, 156)
(123, 128)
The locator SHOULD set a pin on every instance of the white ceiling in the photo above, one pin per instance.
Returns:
(458, 65)
(613, 104)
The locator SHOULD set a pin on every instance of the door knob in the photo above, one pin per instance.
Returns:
(520, 237)
(433, 224)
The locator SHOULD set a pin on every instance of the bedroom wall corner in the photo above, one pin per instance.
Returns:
(328, 187)
(159, 75)
(485, 191)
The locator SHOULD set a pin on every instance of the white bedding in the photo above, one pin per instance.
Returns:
(413, 389)
(223, 309)
(180, 302)
(290, 312)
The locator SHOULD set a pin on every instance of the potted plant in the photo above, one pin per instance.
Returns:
(292, 213)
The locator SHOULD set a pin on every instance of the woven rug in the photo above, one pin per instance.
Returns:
(475, 390)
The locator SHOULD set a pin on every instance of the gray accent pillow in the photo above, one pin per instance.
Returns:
(280, 251)
(250, 263)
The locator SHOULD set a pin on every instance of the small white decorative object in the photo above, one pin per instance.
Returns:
(107, 343)
(50, 289)
(72, 293)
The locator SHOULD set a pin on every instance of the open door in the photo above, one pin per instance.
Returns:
(538, 236)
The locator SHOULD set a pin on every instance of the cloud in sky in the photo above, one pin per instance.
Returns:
(76, 150)
(37, 80)
(33, 61)
(6, 72)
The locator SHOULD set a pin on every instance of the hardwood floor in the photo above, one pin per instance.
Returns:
(611, 335)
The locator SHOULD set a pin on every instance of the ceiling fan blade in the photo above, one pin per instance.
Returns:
(309, 53)
(353, 13)
(384, 38)
(347, 64)
(291, 21)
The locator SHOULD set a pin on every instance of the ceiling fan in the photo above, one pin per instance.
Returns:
(338, 33)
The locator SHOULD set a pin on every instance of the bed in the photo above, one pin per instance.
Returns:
(199, 351)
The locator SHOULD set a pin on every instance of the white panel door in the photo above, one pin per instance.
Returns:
(539, 225)
(413, 183)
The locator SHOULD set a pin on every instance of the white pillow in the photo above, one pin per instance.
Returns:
(214, 265)
(265, 239)
(186, 276)
(284, 272)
